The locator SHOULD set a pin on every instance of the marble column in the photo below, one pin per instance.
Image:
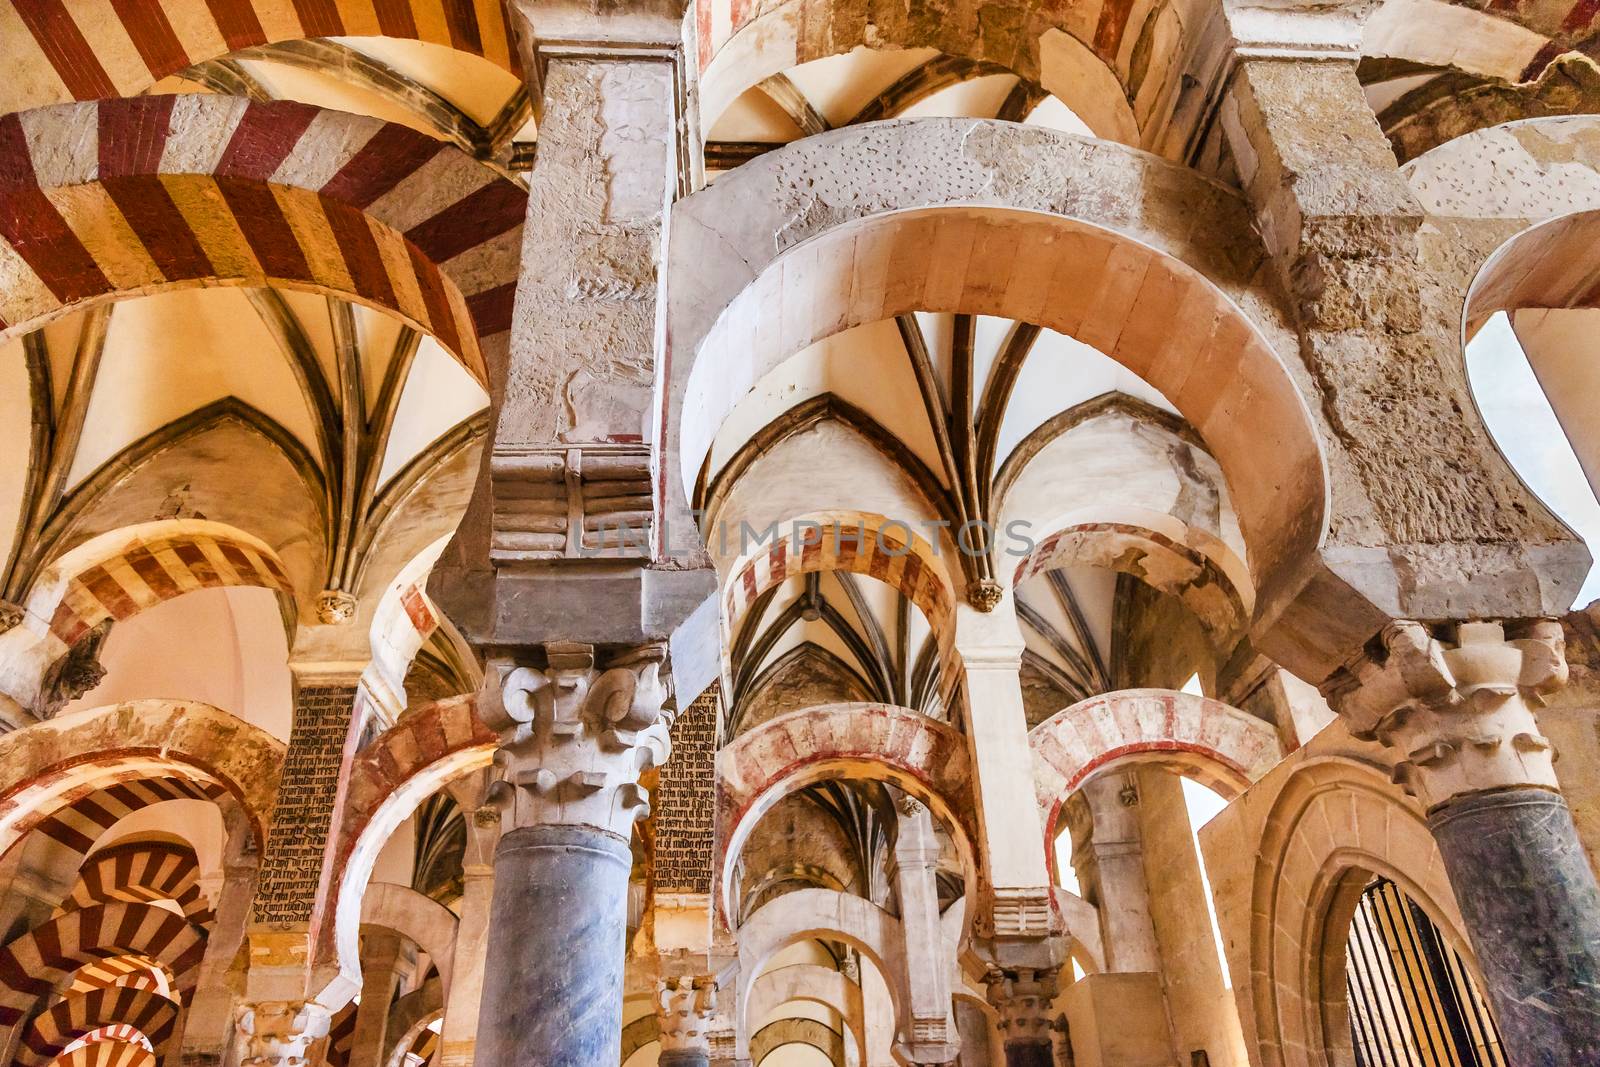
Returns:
(1458, 711)
(1023, 998)
(1108, 855)
(575, 739)
(686, 1009)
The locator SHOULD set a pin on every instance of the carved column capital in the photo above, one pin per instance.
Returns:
(686, 1009)
(1459, 712)
(1022, 996)
(575, 737)
(280, 1033)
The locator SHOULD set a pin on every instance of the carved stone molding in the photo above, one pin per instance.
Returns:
(1021, 912)
(1459, 713)
(572, 503)
(280, 1033)
(575, 737)
(335, 607)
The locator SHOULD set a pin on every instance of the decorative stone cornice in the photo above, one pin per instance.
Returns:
(280, 1033)
(1459, 713)
(1022, 997)
(686, 1009)
(575, 738)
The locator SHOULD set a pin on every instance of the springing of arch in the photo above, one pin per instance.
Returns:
(142, 872)
(877, 742)
(1150, 312)
(77, 1016)
(212, 190)
(41, 963)
(55, 57)
(796, 1031)
(1217, 744)
(808, 983)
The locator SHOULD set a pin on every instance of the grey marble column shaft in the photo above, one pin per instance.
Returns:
(552, 990)
(684, 1057)
(1532, 909)
(1029, 1053)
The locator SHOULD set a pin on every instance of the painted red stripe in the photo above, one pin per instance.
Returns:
(470, 221)
(395, 18)
(109, 592)
(57, 830)
(1580, 16)
(241, 562)
(319, 18)
(237, 22)
(392, 155)
(462, 18)
(264, 227)
(196, 561)
(264, 138)
(133, 135)
(160, 227)
(152, 35)
(36, 229)
(440, 321)
(64, 46)
(491, 309)
(360, 250)
(66, 625)
(152, 573)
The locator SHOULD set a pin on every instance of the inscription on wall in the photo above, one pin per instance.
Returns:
(292, 866)
(684, 801)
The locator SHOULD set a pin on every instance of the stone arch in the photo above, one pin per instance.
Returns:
(742, 44)
(142, 872)
(38, 964)
(426, 750)
(826, 914)
(404, 620)
(1165, 552)
(109, 1053)
(1527, 271)
(796, 1031)
(808, 983)
(116, 750)
(416, 916)
(1148, 310)
(1528, 170)
(409, 1017)
(70, 1018)
(58, 59)
(1307, 878)
(1221, 746)
(123, 572)
(277, 193)
(924, 757)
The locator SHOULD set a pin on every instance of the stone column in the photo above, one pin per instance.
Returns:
(380, 962)
(1458, 712)
(685, 1009)
(931, 1037)
(207, 1018)
(574, 741)
(458, 1035)
(1108, 854)
(1023, 998)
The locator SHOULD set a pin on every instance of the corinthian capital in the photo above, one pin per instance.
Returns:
(1459, 713)
(1022, 998)
(575, 737)
(686, 1009)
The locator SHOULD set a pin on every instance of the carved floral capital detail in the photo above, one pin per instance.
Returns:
(1459, 713)
(575, 738)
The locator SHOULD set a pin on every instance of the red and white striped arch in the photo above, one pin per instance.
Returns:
(60, 50)
(123, 572)
(155, 1017)
(40, 964)
(1217, 744)
(122, 197)
(141, 872)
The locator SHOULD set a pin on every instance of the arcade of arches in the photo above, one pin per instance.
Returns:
(785, 533)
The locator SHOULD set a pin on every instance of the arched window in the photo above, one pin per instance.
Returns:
(1412, 1001)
